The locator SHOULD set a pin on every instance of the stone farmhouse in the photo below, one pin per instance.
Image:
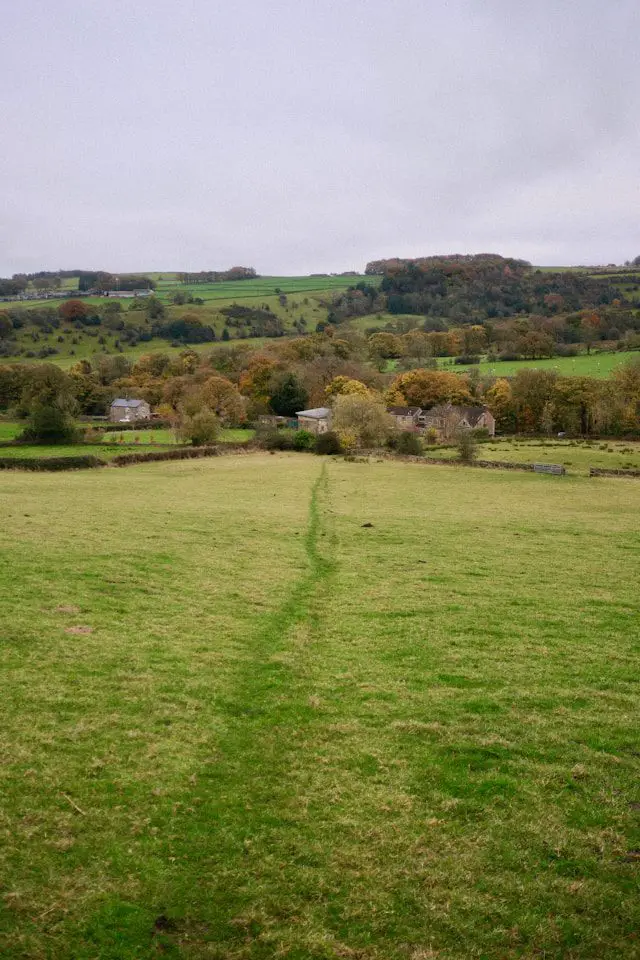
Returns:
(317, 420)
(127, 411)
(447, 418)
(406, 418)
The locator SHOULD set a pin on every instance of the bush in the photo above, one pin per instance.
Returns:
(304, 440)
(48, 423)
(466, 444)
(200, 428)
(328, 444)
(409, 444)
(467, 359)
(481, 434)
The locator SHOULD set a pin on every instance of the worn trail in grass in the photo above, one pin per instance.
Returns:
(294, 735)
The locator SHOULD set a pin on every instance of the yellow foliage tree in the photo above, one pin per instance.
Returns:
(499, 399)
(342, 386)
(361, 421)
(428, 388)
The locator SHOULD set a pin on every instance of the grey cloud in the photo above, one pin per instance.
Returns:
(308, 136)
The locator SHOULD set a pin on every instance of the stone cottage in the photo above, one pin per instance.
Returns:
(317, 420)
(126, 411)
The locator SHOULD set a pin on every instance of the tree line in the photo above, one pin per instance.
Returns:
(238, 383)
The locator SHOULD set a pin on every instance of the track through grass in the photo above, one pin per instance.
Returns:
(326, 710)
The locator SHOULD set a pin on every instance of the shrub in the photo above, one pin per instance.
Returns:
(270, 438)
(466, 444)
(328, 443)
(431, 435)
(409, 444)
(199, 428)
(49, 423)
(304, 440)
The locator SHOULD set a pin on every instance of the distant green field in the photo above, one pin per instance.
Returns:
(260, 287)
(594, 365)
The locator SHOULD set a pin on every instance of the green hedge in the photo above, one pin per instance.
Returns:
(610, 472)
(129, 425)
(183, 453)
(51, 463)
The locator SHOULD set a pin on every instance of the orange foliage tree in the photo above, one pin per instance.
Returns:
(427, 388)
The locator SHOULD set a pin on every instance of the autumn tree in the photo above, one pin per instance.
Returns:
(427, 388)
(499, 399)
(341, 386)
(361, 421)
(223, 398)
(72, 310)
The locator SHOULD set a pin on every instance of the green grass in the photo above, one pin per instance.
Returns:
(140, 436)
(9, 429)
(593, 365)
(227, 435)
(575, 455)
(261, 287)
(106, 451)
(237, 724)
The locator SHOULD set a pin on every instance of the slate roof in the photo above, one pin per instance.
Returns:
(404, 411)
(472, 414)
(126, 403)
(316, 413)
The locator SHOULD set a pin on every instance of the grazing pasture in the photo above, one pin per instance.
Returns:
(584, 365)
(232, 290)
(575, 455)
(279, 706)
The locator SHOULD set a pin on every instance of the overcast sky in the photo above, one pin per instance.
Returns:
(301, 136)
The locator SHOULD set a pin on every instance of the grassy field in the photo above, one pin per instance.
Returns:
(106, 451)
(239, 724)
(575, 455)
(110, 445)
(592, 365)
(260, 287)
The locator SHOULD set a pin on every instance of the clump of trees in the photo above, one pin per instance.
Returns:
(49, 401)
(218, 276)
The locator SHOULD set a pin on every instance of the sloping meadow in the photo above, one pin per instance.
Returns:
(284, 706)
